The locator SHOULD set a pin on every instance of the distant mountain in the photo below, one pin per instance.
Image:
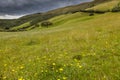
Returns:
(33, 19)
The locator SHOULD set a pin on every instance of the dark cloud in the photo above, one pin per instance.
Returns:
(18, 7)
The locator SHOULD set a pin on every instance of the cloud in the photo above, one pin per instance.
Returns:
(10, 16)
(19, 7)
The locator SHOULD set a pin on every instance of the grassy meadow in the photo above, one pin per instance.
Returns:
(76, 47)
(107, 6)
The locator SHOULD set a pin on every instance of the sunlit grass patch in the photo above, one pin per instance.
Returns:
(107, 6)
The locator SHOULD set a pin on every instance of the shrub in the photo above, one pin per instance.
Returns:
(77, 57)
(46, 23)
(91, 14)
(36, 25)
(7, 28)
(116, 8)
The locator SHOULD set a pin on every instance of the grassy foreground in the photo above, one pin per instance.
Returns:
(81, 47)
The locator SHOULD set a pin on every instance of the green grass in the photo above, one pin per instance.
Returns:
(108, 6)
(21, 26)
(81, 48)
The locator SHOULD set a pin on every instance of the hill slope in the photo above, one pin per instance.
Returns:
(105, 7)
(36, 18)
(80, 47)
(76, 47)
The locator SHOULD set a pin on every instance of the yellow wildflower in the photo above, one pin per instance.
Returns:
(13, 70)
(80, 66)
(53, 64)
(21, 78)
(5, 65)
(46, 70)
(56, 70)
(64, 78)
(71, 64)
(76, 60)
(106, 42)
(64, 65)
(42, 71)
(4, 77)
(61, 69)
(94, 54)
(49, 59)
(21, 67)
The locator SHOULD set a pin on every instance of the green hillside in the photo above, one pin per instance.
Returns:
(80, 47)
(6, 25)
(107, 6)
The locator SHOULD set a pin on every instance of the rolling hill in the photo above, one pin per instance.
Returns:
(105, 7)
(6, 25)
(76, 47)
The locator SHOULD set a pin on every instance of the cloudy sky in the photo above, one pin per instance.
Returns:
(16, 8)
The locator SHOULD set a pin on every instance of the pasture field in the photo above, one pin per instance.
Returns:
(76, 47)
